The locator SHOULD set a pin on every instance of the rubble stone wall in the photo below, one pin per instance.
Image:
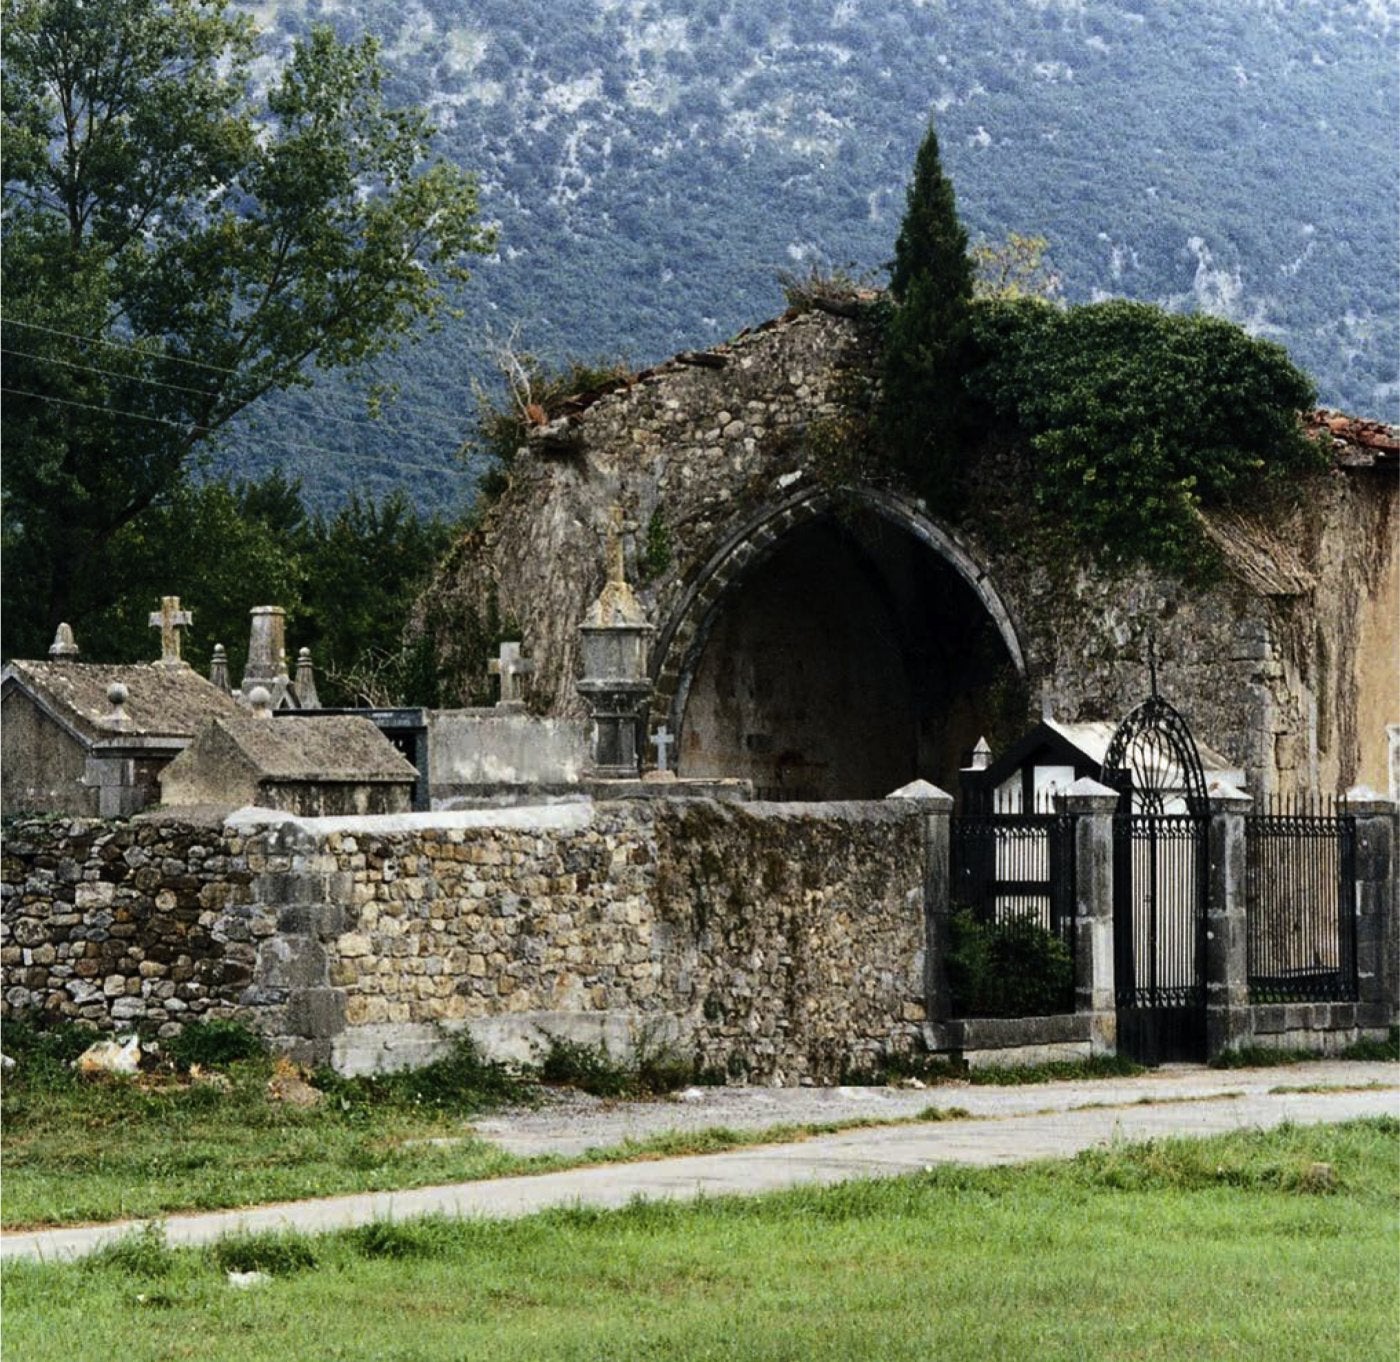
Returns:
(770, 943)
(125, 923)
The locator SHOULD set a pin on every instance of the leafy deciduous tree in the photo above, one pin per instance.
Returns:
(175, 246)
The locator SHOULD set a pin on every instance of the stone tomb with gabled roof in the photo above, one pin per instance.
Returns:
(334, 764)
(91, 739)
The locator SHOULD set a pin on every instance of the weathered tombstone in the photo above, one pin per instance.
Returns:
(511, 668)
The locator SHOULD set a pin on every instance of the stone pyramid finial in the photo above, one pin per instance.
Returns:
(981, 755)
(218, 669)
(63, 646)
(305, 686)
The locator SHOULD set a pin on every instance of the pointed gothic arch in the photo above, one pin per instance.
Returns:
(859, 532)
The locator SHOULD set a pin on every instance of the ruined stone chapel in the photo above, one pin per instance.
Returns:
(824, 635)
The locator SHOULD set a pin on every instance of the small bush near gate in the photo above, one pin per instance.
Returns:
(214, 1045)
(1007, 969)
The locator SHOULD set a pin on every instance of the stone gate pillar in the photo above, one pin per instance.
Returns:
(937, 808)
(1228, 1022)
(1092, 806)
(1377, 907)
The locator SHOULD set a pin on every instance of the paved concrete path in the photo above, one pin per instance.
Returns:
(1216, 1103)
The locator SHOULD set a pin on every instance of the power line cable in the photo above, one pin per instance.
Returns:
(179, 359)
(363, 423)
(396, 462)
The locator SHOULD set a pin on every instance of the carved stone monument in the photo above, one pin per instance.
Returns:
(614, 682)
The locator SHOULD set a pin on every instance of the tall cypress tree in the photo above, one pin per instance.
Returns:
(926, 342)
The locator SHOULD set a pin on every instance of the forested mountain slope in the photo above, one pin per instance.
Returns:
(653, 166)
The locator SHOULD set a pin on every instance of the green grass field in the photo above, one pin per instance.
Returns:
(1279, 1245)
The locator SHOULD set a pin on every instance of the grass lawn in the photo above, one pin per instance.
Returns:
(78, 1151)
(1275, 1245)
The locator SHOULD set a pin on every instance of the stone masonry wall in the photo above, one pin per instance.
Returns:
(125, 923)
(773, 943)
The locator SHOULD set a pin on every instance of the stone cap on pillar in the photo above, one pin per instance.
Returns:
(1363, 801)
(1224, 797)
(938, 801)
(1087, 795)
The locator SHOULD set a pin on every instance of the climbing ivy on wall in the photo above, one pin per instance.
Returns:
(1137, 418)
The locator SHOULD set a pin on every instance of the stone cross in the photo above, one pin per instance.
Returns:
(511, 667)
(170, 619)
(662, 740)
(616, 569)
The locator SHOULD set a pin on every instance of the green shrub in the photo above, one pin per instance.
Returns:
(214, 1044)
(1014, 968)
(1137, 417)
(1389, 1048)
(44, 1055)
(653, 1068)
(142, 1253)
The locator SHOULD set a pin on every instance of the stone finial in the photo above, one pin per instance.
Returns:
(981, 755)
(64, 647)
(1225, 795)
(615, 604)
(1047, 704)
(170, 619)
(117, 696)
(305, 686)
(218, 669)
(511, 668)
(261, 700)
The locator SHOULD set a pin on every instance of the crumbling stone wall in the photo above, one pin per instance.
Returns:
(773, 943)
(1286, 663)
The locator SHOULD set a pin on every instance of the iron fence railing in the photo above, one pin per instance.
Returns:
(1300, 903)
(1021, 866)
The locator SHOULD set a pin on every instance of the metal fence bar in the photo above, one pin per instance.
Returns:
(1300, 877)
(1005, 866)
(1157, 963)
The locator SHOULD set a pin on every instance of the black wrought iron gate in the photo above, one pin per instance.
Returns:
(1159, 879)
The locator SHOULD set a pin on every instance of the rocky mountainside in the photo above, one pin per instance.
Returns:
(654, 164)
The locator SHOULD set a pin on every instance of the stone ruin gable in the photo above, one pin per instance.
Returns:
(696, 444)
(1286, 664)
(777, 943)
(117, 924)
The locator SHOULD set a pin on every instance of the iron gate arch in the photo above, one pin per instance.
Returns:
(1160, 868)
